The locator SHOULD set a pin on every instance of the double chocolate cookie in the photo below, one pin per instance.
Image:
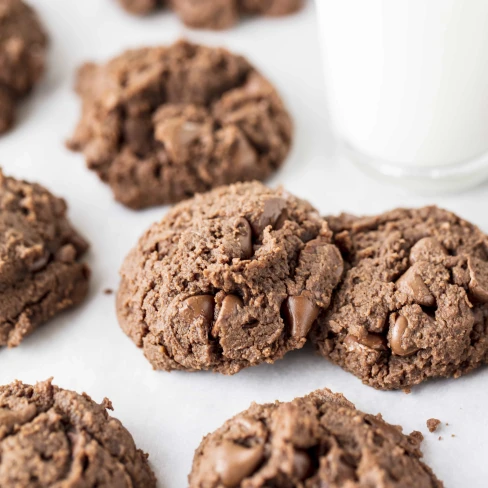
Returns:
(413, 303)
(22, 55)
(50, 437)
(229, 279)
(160, 124)
(40, 269)
(215, 14)
(317, 441)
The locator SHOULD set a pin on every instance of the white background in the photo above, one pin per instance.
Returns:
(84, 349)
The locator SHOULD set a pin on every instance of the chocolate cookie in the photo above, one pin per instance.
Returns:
(22, 55)
(317, 441)
(160, 124)
(215, 14)
(229, 279)
(50, 437)
(40, 269)
(413, 303)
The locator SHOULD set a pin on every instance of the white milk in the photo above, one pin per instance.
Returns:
(407, 80)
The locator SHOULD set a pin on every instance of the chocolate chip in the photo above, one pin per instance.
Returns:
(244, 235)
(233, 462)
(274, 214)
(231, 306)
(302, 465)
(412, 284)
(66, 254)
(370, 340)
(177, 135)
(300, 314)
(40, 263)
(426, 249)
(396, 337)
(198, 306)
(478, 284)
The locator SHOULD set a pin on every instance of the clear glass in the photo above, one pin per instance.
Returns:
(407, 84)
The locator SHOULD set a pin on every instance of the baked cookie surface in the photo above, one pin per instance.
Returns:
(317, 441)
(50, 437)
(229, 279)
(413, 303)
(40, 269)
(23, 45)
(215, 14)
(161, 124)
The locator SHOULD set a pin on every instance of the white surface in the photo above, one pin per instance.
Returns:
(85, 350)
(405, 80)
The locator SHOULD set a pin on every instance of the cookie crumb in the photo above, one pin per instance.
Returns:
(407, 390)
(440, 438)
(108, 291)
(453, 435)
(433, 424)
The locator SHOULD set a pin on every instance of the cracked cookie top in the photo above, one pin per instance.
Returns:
(413, 303)
(229, 279)
(317, 441)
(22, 55)
(214, 14)
(41, 272)
(161, 124)
(50, 437)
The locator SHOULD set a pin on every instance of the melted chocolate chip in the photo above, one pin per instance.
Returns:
(199, 306)
(396, 338)
(370, 340)
(244, 236)
(233, 462)
(426, 249)
(230, 307)
(274, 213)
(300, 314)
(413, 286)
(478, 284)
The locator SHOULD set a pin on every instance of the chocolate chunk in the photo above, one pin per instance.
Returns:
(427, 249)
(300, 314)
(233, 462)
(244, 235)
(370, 340)
(396, 338)
(412, 285)
(230, 307)
(478, 284)
(199, 306)
(274, 213)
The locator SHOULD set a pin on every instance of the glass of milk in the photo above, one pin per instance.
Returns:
(407, 85)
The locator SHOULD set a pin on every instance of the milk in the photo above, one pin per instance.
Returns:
(407, 80)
